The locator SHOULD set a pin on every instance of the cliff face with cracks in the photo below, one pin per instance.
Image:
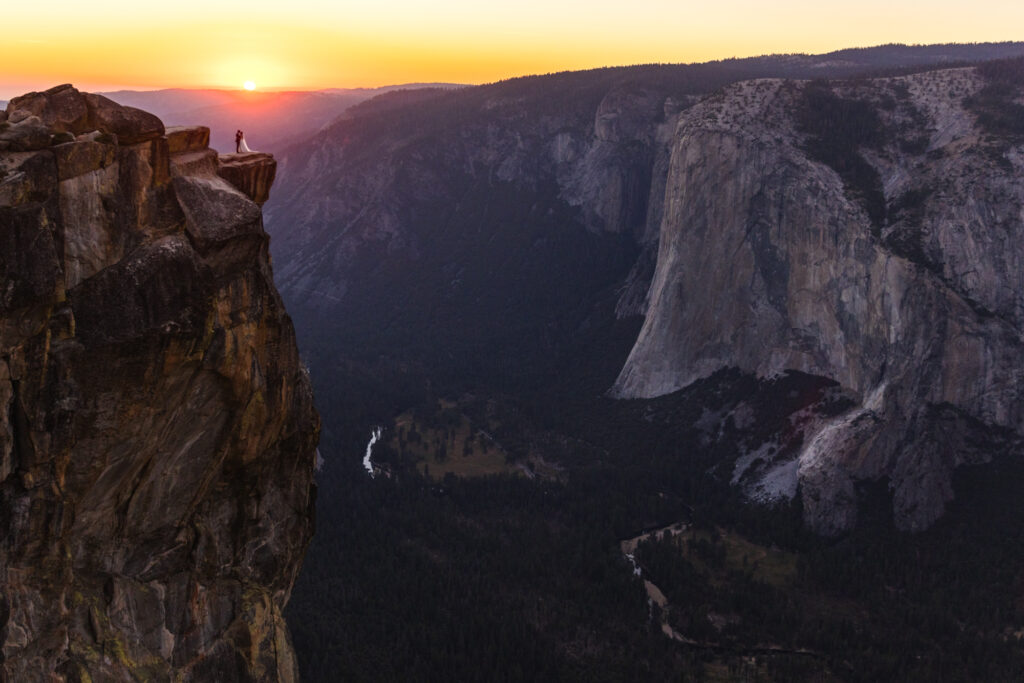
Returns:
(895, 270)
(157, 430)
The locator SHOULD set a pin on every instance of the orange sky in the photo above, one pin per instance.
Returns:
(305, 44)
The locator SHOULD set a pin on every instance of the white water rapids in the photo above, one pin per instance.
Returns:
(374, 438)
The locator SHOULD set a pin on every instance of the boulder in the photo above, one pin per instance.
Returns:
(65, 109)
(202, 163)
(61, 109)
(129, 124)
(18, 116)
(187, 139)
(27, 134)
(76, 158)
(215, 213)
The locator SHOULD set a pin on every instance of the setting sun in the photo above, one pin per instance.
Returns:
(310, 44)
(249, 85)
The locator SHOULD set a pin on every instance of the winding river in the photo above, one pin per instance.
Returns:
(655, 596)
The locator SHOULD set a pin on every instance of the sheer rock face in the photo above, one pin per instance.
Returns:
(157, 430)
(767, 262)
(252, 173)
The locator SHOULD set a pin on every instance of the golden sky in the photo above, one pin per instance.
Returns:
(306, 44)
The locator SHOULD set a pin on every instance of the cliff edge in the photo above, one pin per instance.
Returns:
(157, 430)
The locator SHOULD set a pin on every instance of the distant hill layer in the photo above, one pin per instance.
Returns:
(270, 120)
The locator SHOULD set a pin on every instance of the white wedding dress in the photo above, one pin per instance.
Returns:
(242, 147)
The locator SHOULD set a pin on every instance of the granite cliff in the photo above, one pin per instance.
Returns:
(157, 429)
(864, 231)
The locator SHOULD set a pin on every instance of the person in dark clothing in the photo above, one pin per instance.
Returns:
(238, 141)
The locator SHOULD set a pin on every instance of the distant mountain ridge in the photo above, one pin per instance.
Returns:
(270, 119)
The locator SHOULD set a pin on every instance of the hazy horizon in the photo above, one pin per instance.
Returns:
(315, 44)
(8, 92)
(7, 96)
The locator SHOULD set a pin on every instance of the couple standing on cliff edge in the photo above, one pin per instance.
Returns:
(240, 145)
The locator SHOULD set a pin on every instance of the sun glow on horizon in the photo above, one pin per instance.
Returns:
(312, 44)
(249, 85)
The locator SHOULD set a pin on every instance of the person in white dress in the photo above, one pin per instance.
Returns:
(242, 146)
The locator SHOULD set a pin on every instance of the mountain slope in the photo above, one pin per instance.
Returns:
(270, 119)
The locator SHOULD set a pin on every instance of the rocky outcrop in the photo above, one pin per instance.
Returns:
(252, 173)
(903, 281)
(157, 430)
(65, 110)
